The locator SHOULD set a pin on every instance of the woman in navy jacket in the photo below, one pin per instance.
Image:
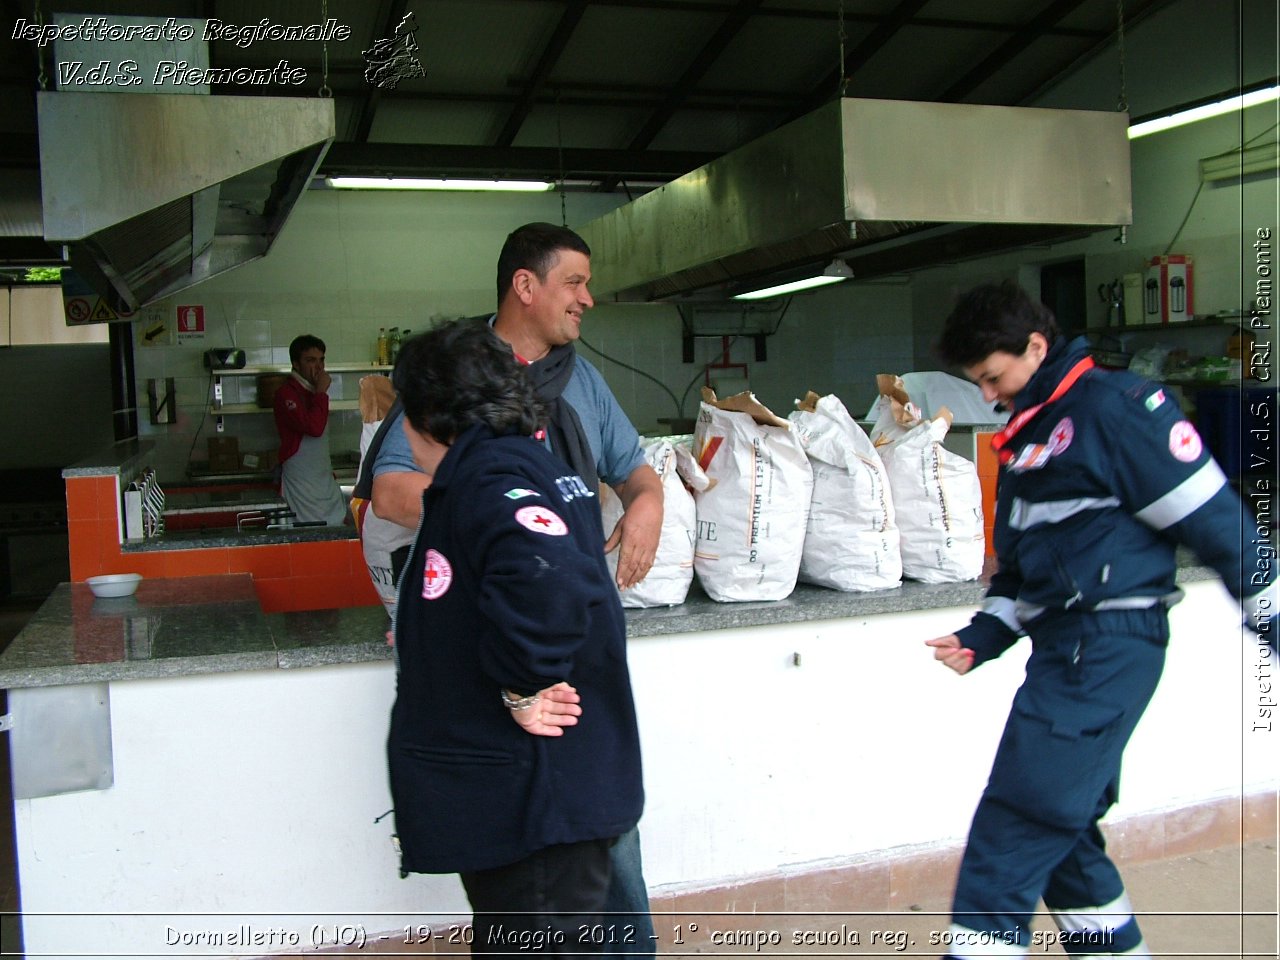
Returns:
(506, 592)
(1101, 477)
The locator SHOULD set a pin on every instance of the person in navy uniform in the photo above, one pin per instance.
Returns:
(542, 280)
(506, 592)
(1101, 477)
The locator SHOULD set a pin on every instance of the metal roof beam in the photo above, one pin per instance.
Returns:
(679, 92)
(832, 84)
(546, 63)
(360, 123)
(1033, 30)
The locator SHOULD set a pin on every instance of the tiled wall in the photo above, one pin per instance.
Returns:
(298, 576)
(351, 262)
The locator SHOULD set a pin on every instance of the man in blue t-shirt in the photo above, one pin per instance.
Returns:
(543, 272)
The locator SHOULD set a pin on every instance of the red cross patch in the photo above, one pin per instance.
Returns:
(1063, 433)
(541, 520)
(1184, 442)
(436, 576)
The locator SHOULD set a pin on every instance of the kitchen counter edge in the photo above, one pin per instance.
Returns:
(357, 634)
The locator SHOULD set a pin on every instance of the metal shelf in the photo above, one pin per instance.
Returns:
(1236, 321)
(331, 368)
(237, 408)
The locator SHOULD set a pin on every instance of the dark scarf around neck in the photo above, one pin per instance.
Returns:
(550, 376)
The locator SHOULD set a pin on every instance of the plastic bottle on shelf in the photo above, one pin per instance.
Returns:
(394, 338)
(384, 347)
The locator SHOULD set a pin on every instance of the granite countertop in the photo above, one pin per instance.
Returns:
(119, 458)
(214, 537)
(205, 625)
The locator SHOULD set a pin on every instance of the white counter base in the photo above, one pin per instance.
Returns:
(244, 803)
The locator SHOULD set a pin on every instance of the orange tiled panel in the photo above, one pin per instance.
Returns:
(196, 563)
(82, 498)
(270, 562)
(108, 499)
(85, 551)
(321, 558)
(988, 465)
(274, 596)
(150, 565)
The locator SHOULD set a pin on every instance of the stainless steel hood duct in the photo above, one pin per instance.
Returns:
(152, 193)
(886, 185)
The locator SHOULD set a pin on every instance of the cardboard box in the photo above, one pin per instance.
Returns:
(224, 454)
(260, 461)
(1168, 292)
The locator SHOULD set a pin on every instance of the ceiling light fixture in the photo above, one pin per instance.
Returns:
(834, 272)
(1262, 158)
(424, 183)
(1217, 108)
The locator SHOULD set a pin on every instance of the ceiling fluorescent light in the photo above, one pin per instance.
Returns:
(1204, 111)
(1263, 158)
(835, 271)
(421, 183)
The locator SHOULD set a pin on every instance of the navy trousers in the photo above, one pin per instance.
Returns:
(1056, 772)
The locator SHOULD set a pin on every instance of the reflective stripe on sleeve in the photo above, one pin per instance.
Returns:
(1184, 499)
(1024, 515)
(1029, 611)
(1131, 603)
(1005, 610)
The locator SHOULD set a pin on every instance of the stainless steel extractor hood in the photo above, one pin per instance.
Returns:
(152, 193)
(886, 185)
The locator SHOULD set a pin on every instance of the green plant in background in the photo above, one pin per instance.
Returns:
(43, 275)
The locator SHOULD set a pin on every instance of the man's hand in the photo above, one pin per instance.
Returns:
(637, 533)
(557, 708)
(322, 381)
(948, 650)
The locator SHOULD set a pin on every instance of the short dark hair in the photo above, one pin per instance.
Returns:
(536, 247)
(302, 344)
(991, 318)
(459, 374)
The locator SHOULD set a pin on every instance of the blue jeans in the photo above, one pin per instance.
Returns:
(628, 901)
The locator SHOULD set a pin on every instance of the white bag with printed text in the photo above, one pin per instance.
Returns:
(667, 582)
(852, 540)
(752, 500)
(937, 498)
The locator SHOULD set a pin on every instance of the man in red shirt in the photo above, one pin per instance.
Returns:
(302, 420)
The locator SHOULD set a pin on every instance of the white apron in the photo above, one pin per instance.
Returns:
(306, 479)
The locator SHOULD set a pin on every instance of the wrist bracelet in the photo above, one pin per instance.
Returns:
(512, 702)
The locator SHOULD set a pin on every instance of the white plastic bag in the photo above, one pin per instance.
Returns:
(851, 542)
(752, 502)
(938, 505)
(667, 582)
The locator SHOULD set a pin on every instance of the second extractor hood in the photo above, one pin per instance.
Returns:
(886, 185)
(152, 193)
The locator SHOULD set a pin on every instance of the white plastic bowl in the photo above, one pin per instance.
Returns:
(114, 584)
